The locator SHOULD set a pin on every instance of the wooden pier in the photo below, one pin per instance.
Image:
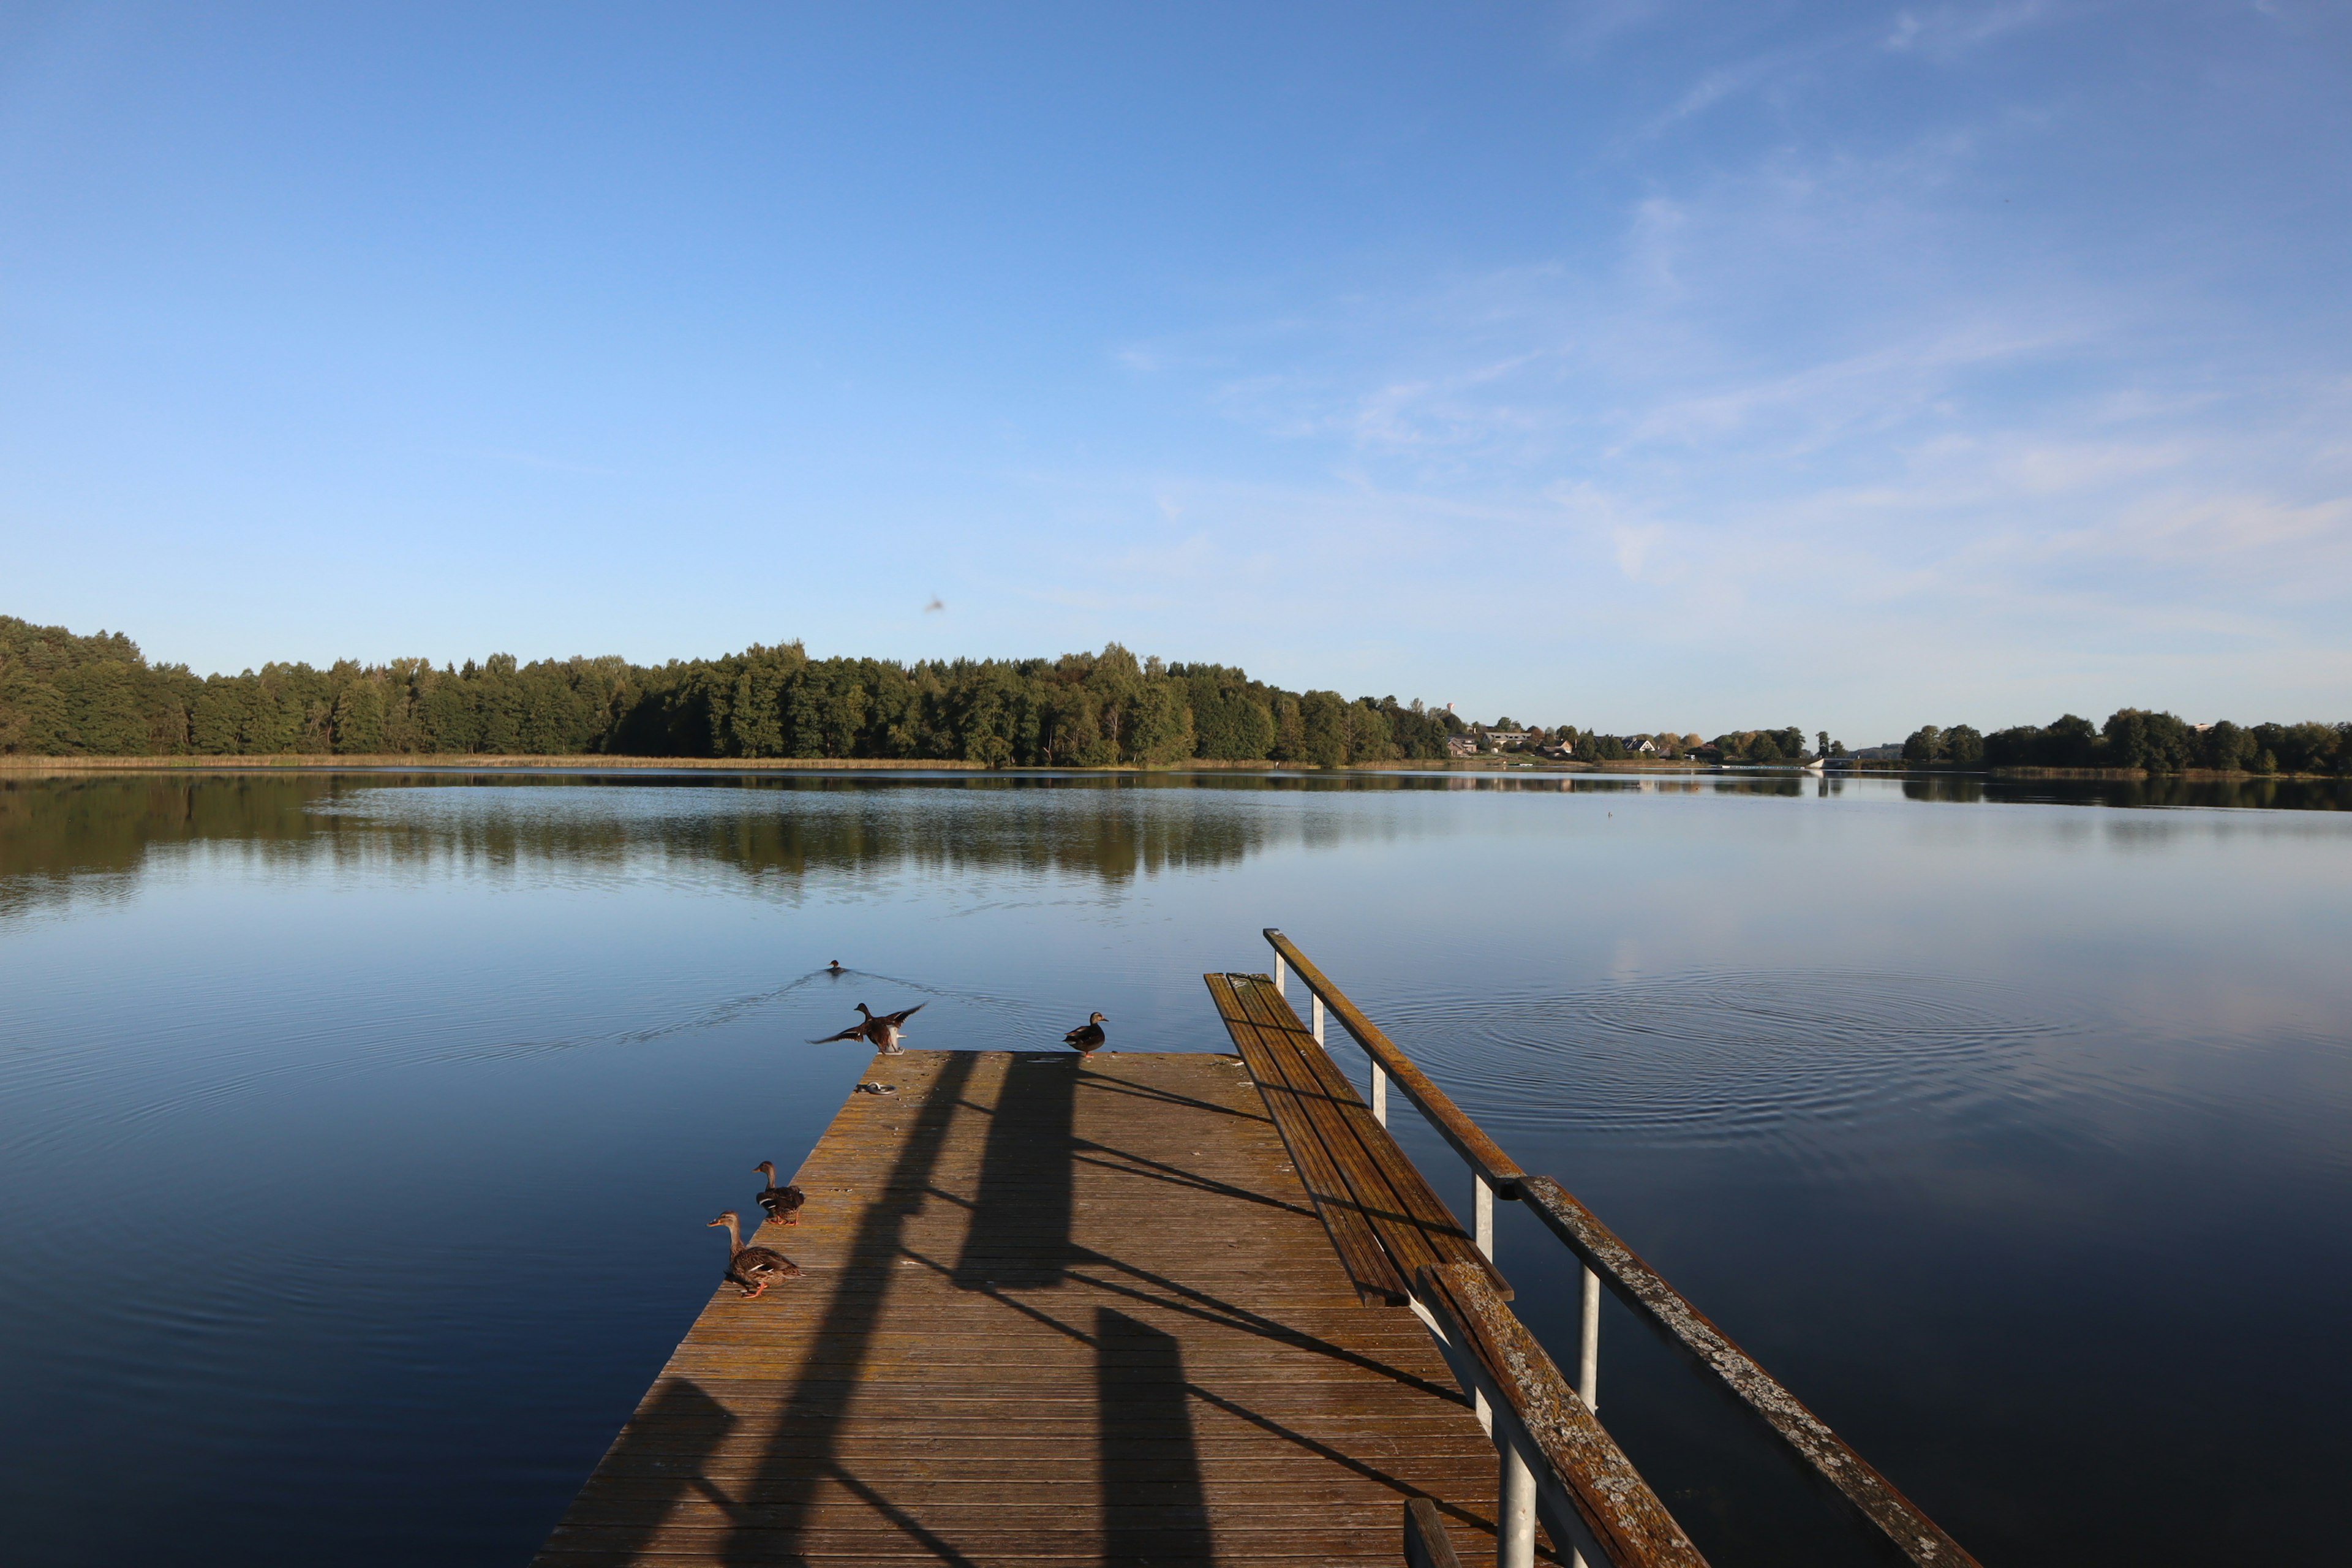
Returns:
(1054, 1310)
(1169, 1309)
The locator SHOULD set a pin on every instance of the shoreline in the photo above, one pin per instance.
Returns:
(410, 762)
(473, 762)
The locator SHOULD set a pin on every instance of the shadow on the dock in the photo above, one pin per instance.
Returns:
(659, 1460)
(1153, 1506)
(1018, 1255)
(803, 1452)
(1020, 1235)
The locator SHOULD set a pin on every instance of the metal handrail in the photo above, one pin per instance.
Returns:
(1557, 1459)
(1608, 1261)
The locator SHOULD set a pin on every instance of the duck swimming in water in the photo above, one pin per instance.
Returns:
(752, 1269)
(782, 1203)
(834, 968)
(1088, 1038)
(882, 1031)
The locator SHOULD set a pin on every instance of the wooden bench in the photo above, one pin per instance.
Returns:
(1384, 1218)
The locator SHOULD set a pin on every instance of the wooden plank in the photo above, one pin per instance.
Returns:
(1369, 1191)
(1820, 1450)
(1414, 1201)
(1368, 1264)
(1426, 1544)
(1412, 1222)
(1469, 1140)
(1445, 1235)
(1121, 1334)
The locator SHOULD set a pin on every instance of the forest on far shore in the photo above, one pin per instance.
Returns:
(66, 695)
(2136, 738)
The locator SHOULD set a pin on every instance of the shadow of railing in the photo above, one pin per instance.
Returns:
(656, 1463)
(803, 1451)
(1020, 1235)
(1153, 1508)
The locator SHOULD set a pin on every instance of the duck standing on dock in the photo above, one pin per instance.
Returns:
(882, 1031)
(1088, 1038)
(782, 1203)
(752, 1269)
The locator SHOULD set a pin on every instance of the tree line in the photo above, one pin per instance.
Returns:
(2136, 738)
(65, 694)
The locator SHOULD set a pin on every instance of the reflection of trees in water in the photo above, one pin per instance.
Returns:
(85, 836)
(70, 838)
(2258, 794)
(55, 832)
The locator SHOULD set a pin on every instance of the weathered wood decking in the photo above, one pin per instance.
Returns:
(1054, 1310)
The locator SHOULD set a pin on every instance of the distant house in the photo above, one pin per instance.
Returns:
(1640, 745)
(1461, 745)
(1499, 738)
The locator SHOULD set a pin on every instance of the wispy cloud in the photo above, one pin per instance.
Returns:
(1950, 30)
(1810, 380)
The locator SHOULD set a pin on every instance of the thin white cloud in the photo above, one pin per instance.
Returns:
(1950, 31)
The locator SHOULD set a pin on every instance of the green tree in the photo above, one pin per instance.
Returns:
(1323, 716)
(358, 711)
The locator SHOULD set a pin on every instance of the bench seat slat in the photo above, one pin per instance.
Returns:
(1376, 1278)
(1371, 1197)
(1421, 1206)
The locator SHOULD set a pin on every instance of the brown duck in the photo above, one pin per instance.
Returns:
(782, 1203)
(1088, 1038)
(752, 1269)
(882, 1032)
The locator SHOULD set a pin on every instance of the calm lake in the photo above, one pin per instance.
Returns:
(357, 1131)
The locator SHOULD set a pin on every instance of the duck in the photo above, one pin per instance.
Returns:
(782, 1203)
(882, 1031)
(834, 968)
(1088, 1038)
(887, 1027)
(752, 1269)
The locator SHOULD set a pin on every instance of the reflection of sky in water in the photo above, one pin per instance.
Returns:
(1966, 1116)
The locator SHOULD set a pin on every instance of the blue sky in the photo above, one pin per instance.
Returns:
(1639, 365)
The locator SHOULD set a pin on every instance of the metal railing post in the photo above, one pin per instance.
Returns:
(1588, 1345)
(1515, 1505)
(1587, 1365)
(1607, 1261)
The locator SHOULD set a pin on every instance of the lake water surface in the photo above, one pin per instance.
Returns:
(357, 1131)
